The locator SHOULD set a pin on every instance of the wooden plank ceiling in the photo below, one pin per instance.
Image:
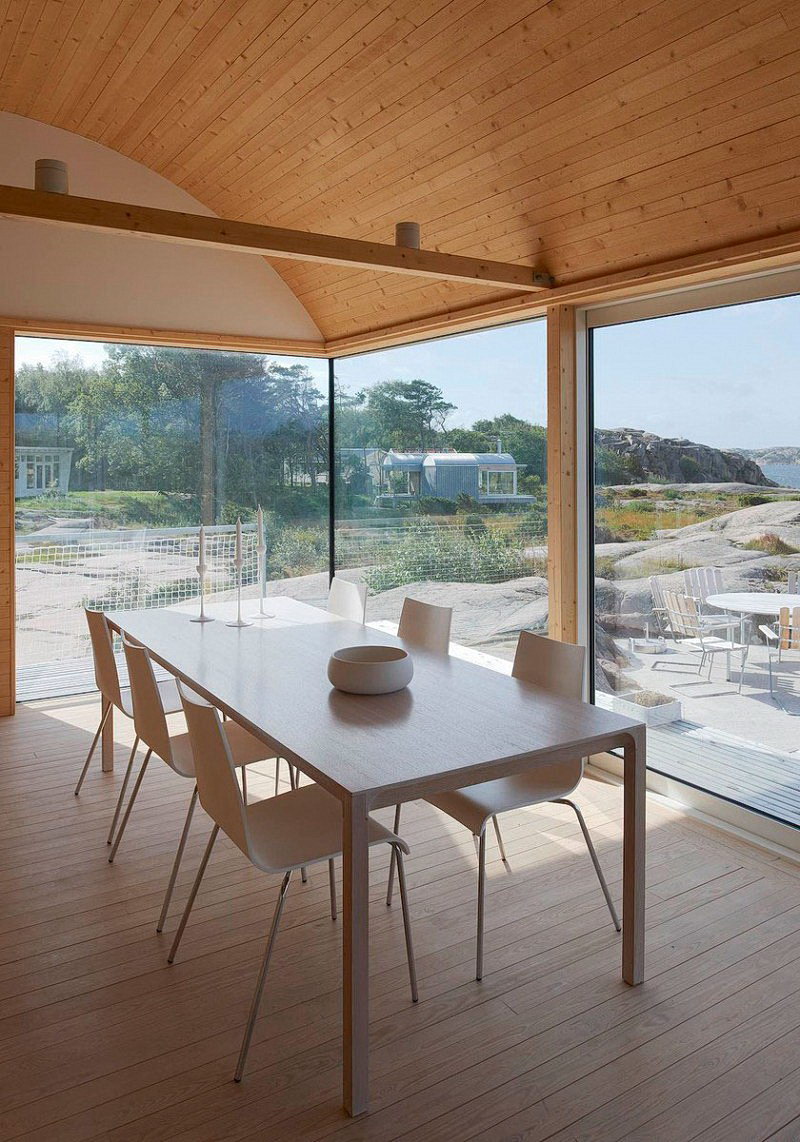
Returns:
(586, 136)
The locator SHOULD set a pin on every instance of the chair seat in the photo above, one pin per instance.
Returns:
(300, 828)
(170, 698)
(710, 644)
(473, 805)
(245, 749)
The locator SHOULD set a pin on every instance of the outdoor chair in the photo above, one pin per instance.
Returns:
(791, 582)
(558, 668)
(699, 583)
(782, 636)
(277, 835)
(691, 633)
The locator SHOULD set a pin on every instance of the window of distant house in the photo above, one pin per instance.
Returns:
(496, 482)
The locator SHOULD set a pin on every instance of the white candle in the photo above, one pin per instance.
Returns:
(239, 540)
(260, 525)
(202, 555)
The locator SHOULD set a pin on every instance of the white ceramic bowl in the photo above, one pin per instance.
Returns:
(370, 669)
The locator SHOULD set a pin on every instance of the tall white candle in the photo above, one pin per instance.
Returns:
(239, 540)
(202, 554)
(260, 526)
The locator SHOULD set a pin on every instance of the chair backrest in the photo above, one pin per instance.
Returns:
(791, 582)
(657, 593)
(789, 628)
(554, 666)
(217, 785)
(700, 582)
(149, 719)
(426, 624)
(106, 675)
(347, 600)
(683, 614)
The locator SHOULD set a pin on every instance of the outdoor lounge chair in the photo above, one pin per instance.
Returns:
(781, 636)
(691, 633)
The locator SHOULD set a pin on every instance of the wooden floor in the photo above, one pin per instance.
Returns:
(100, 1039)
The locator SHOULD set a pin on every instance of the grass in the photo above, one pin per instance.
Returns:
(770, 544)
(620, 522)
(113, 509)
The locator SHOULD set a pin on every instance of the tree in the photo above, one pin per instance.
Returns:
(526, 442)
(408, 414)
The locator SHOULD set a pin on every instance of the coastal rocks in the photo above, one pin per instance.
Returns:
(648, 456)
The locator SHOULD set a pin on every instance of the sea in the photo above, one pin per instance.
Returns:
(787, 475)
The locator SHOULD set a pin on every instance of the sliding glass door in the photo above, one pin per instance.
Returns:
(696, 544)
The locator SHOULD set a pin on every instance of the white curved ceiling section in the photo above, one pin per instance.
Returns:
(56, 274)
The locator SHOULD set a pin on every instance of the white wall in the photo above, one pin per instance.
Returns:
(50, 272)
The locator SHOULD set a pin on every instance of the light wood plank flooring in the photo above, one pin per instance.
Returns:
(100, 1039)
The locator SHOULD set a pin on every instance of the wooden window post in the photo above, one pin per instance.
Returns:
(7, 667)
(562, 491)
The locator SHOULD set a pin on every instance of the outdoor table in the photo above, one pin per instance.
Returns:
(746, 603)
(457, 724)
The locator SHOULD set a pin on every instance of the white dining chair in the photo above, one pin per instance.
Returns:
(348, 600)
(556, 667)
(118, 697)
(175, 750)
(428, 626)
(278, 835)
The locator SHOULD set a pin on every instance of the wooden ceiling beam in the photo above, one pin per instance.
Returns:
(270, 241)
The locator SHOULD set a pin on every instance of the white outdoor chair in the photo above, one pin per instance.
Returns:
(278, 835)
(558, 668)
(791, 582)
(174, 749)
(659, 609)
(699, 583)
(782, 636)
(692, 634)
(347, 600)
(118, 697)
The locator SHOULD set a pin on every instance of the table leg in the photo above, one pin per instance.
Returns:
(107, 746)
(633, 862)
(355, 960)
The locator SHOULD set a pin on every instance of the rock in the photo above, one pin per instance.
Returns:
(670, 459)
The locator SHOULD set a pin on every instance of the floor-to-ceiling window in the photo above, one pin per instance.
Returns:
(697, 496)
(122, 451)
(440, 480)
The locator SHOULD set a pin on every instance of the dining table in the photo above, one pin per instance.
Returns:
(456, 724)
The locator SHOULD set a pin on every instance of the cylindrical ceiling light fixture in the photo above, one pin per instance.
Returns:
(52, 176)
(407, 234)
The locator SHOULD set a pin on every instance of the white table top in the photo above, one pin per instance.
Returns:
(457, 723)
(753, 602)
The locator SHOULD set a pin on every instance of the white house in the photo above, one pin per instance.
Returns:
(39, 469)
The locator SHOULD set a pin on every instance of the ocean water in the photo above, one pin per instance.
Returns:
(787, 475)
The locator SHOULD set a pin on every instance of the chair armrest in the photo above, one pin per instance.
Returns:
(768, 632)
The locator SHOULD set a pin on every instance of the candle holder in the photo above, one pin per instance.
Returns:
(261, 552)
(238, 563)
(201, 571)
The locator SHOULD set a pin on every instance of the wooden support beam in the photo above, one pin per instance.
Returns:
(7, 623)
(269, 241)
(562, 490)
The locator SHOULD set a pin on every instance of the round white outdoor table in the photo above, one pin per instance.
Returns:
(753, 603)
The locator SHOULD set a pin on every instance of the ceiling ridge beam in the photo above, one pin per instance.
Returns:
(268, 241)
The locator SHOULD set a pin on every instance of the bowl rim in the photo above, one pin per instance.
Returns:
(343, 655)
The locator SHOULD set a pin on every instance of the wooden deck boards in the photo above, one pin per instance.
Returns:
(100, 1039)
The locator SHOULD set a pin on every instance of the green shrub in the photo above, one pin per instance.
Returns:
(606, 567)
(749, 500)
(690, 470)
(298, 551)
(636, 493)
(446, 554)
(770, 544)
(474, 526)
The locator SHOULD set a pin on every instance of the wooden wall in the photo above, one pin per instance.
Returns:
(7, 678)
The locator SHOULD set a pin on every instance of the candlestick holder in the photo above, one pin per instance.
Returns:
(202, 617)
(261, 551)
(239, 621)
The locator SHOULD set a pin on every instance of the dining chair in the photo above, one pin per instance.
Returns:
(558, 668)
(348, 600)
(428, 626)
(278, 835)
(175, 750)
(117, 697)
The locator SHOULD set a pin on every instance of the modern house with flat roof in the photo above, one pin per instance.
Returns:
(39, 469)
(488, 477)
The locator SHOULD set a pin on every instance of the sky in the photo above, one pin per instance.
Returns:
(725, 377)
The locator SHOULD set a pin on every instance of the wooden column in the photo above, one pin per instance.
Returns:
(562, 491)
(7, 669)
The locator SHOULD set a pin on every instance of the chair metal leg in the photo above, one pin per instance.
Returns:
(412, 965)
(176, 864)
(121, 797)
(190, 902)
(262, 976)
(244, 784)
(277, 774)
(332, 879)
(131, 800)
(500, 844)
(481, 902)
(595, 861)
(93, 747)
(393, 857)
